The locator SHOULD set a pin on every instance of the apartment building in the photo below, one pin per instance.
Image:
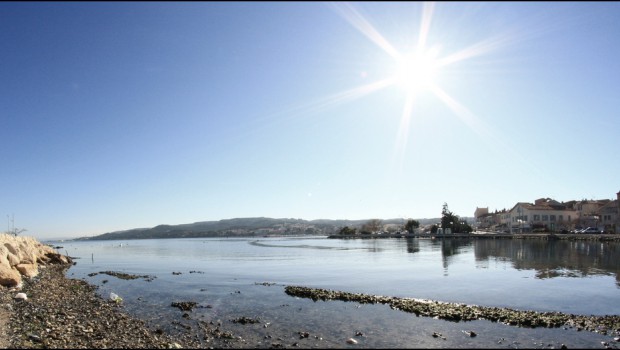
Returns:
(544, 214)
(551, 215)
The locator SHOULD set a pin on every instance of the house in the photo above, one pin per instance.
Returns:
(550, 215)
(496, 221)
(503, 219)
(486, 221)
(608, 216)
(545, 214)
(481, 216)
(588, 212)
(480, 212)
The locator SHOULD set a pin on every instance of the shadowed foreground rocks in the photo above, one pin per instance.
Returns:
(67, 313)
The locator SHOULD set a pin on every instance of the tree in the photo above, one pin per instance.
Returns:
(411, 225)
(463, 227)
(447, 218)
(373, 225)
(347, 231)
(453, 222)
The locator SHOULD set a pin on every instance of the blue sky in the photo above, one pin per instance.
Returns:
(122, 115)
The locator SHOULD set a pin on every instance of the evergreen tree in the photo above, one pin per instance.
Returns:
(411, 225)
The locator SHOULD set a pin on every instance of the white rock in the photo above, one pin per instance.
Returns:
(21, 296)
(351, 341)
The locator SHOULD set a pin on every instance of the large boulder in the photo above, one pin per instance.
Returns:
(28, 270)
(21, 256)
(9, 277)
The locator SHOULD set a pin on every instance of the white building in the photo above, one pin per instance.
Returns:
(545, 214)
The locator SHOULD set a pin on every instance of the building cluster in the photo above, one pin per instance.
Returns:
(548, 215)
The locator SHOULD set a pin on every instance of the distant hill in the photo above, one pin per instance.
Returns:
(259, 226)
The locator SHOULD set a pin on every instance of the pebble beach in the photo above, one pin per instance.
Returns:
(60, 312)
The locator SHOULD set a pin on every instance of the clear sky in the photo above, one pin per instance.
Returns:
(120, 115)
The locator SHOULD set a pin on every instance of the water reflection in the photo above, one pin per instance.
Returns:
(561, 258)
(450, 247)
(307, 246)
(554, 258)
(413, 245)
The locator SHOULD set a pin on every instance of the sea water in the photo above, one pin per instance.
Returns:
(231, 278)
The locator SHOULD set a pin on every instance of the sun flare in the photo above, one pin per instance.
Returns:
(416, 71)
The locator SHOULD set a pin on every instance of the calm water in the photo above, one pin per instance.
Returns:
(227, 278)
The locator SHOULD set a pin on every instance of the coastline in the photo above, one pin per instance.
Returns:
(489, 235)
(67, 313)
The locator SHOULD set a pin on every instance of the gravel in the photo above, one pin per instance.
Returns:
(67, 313)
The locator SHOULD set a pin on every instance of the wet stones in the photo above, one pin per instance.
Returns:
(470, 333)
(438, 335)
(184, 305)
(68, 313)
(245, 320)
(266, 284)
(303, 335)
(461, 312)
(123, 276)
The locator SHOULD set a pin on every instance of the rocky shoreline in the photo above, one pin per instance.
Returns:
(66, 313)
(60, 312)
(41, 308)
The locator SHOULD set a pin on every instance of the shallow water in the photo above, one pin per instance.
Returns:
(245, 277)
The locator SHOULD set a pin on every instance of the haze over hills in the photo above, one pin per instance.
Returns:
(247, 227)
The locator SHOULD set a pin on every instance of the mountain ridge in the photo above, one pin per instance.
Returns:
(246, 227)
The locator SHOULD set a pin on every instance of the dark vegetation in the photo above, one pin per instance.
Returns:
(250, 227)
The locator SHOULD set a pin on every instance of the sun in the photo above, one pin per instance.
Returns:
(416, 71)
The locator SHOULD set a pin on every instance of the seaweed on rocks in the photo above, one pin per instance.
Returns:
(461, 312)
(123, 276)
(184, 305)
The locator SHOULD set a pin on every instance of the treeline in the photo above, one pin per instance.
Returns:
(448, 221)
(240, 227)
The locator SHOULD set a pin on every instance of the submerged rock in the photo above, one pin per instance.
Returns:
(184, 305)
(351, 341)
(461, 312)
(123, 276)
(245, 320)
